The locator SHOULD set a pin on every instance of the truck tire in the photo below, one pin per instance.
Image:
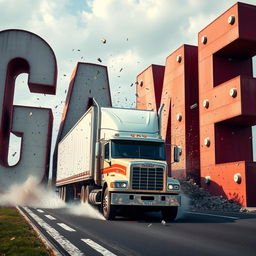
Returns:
(85, 191)
(107, 209)
(169, 213)
(82, 195)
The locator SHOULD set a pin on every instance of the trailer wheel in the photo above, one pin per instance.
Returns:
(64, 193)
(107, 208)
(85, 191)
(170, 213)
(82, 195)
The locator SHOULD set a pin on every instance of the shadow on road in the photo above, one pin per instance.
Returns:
(156, 217)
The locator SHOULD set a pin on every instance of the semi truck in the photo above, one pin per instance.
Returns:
(114, 158)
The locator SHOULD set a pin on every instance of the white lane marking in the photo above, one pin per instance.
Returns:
(98, 247)
(68, 246)
(214, 215)
(50, 217)
(66, 227)
(39, 210)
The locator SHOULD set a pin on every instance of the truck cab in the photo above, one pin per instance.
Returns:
(133, 165)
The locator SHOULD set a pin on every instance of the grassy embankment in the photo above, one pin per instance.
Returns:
(17, 237)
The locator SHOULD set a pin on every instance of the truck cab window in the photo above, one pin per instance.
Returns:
(138, 149)
(106, 151)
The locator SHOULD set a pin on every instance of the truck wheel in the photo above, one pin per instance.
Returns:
(107, 208)
(63, 193)
(82, 195)
(170, 213)
(85, 191)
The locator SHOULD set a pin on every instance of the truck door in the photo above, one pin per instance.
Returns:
(106, 162)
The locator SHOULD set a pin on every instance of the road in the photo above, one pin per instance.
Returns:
(192, 234)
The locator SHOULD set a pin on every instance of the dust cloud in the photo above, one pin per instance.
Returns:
(84, 210)
(31, 194)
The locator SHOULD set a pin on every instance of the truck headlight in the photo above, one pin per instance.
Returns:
(119, 184)
(173, 187)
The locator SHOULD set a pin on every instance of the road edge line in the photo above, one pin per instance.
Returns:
(214, 215)
(41, 236)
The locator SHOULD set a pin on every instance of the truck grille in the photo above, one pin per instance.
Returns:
(147, 178)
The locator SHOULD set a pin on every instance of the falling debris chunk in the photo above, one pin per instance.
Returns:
(127, 39)
(13, 155)
(78, 50)
(103, 40)
(131, 85)
(66, 91)
(121, 70)
(13, 238)
(99, 59)
(64, 75)
(56, 106)
(30, 114)
(193, 106)
(163, 222)
(149, 225)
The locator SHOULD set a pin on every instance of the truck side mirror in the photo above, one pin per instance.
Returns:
(97, 149)
(176, 155)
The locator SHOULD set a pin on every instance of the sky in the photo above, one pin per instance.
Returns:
(138, 33)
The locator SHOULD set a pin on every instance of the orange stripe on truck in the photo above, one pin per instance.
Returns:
(116, 168)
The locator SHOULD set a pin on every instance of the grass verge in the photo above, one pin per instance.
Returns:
(17, 237)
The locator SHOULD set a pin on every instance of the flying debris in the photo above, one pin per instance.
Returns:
(64, 75)
(127, 39)
(131, 85)
(37, 98)
(121, 70)
(14, 154)
(66, 91)
(193, 106)
(103, 40)
(163, 222)
(78, 50)
(30, 114)
(56, 106)
(99, 59)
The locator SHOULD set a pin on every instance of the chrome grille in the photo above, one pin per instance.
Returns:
(147, 178)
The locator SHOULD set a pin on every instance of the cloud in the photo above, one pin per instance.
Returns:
(138, 33)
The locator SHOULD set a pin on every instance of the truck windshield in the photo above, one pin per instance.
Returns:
(138, 149)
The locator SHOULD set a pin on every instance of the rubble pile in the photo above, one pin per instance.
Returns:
(203, 201)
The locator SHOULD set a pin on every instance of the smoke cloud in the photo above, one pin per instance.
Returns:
(31, 194)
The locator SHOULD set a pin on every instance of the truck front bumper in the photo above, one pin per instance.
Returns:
(145, 199)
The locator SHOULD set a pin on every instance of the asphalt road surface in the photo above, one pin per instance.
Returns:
(192, 234)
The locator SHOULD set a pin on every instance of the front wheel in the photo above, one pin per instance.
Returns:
(107, 208)
(170, 213)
